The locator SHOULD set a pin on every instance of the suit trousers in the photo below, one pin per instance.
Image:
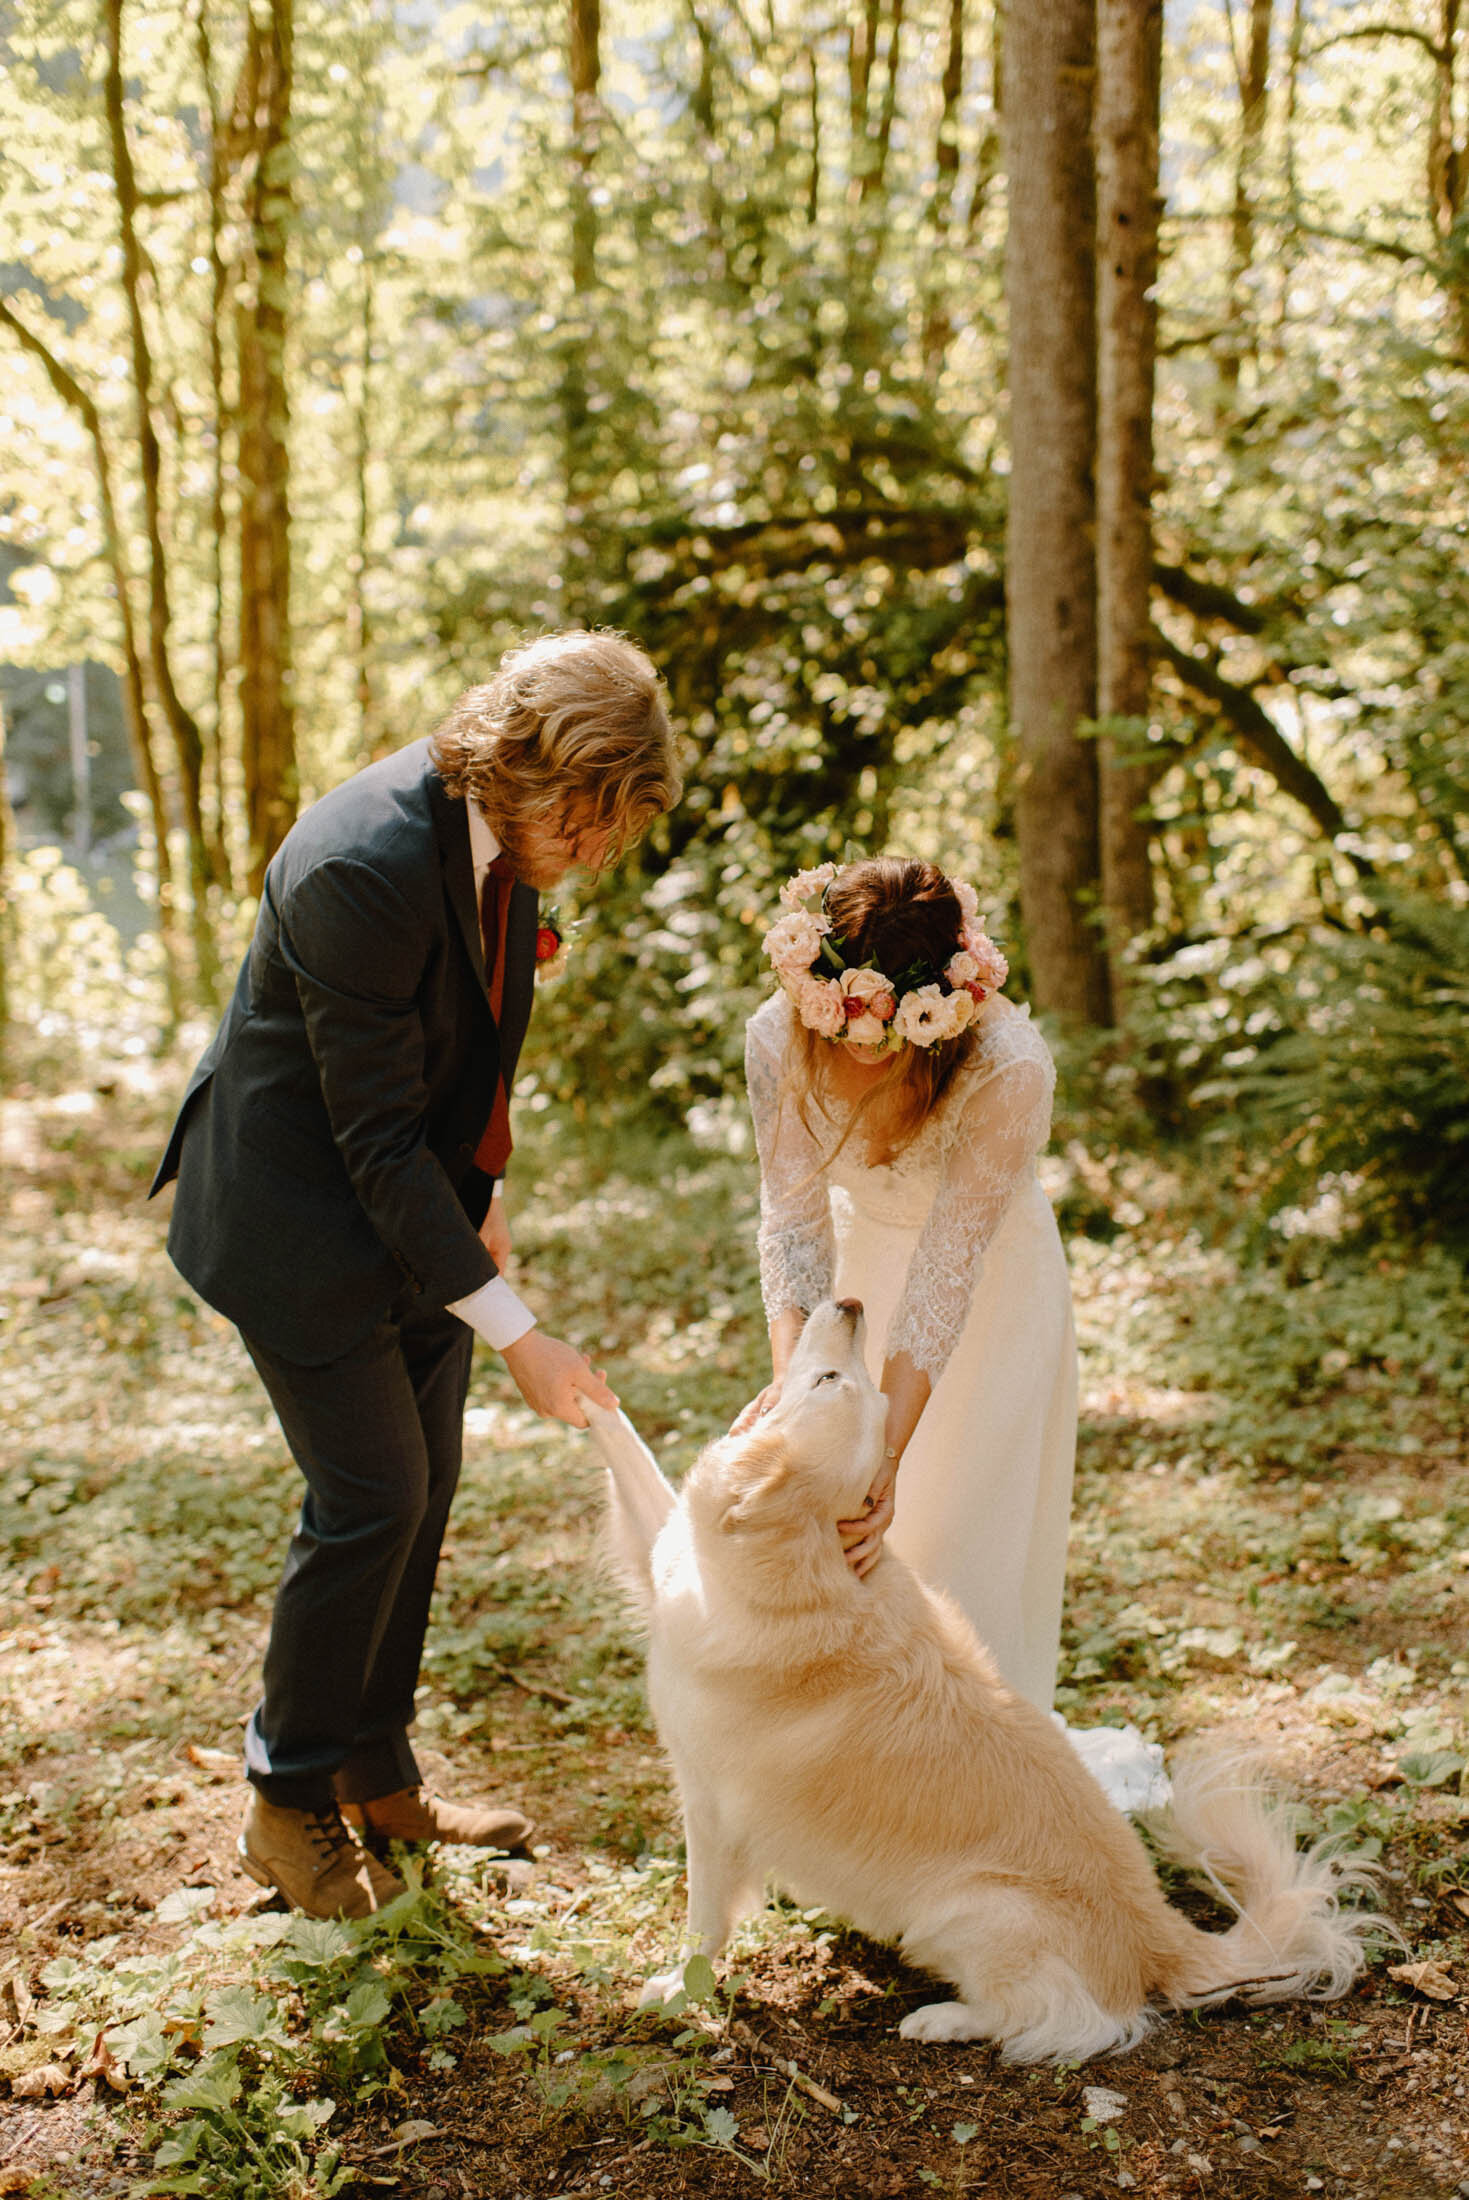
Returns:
(378, 1435)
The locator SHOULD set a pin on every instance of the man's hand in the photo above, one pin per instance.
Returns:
(549, 1373)
(494, 1233)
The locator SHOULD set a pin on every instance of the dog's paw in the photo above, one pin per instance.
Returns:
(661, 1987)
(942, 2020)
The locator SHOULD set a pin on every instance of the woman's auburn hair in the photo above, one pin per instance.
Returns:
(896, 911)
(573, 728)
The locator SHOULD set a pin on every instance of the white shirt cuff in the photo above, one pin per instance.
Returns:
(495, 1313)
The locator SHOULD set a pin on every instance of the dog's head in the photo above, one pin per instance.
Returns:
(814, 1456)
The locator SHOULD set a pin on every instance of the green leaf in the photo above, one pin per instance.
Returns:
(698, 1978)
(1430, 1768)
(963, 2133)
(214, 2085)
(236, 2014)
(316, 1940)
(369, 2004)
(143, 2045)
(721, 2125)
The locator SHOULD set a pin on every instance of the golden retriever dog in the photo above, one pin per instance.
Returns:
(852, 1741)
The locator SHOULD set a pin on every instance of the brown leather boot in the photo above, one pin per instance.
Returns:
(315, 1861)
(416, 1814)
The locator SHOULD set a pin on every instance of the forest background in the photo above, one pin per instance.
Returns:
(1031, 437)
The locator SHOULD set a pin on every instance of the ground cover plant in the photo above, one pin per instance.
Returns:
(1271, 1540)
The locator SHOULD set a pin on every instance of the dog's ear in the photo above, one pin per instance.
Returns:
(763, 1470)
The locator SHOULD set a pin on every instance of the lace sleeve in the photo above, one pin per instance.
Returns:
(795, 1238)
(998, 1129)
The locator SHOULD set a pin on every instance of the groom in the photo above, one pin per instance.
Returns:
(339, 1156)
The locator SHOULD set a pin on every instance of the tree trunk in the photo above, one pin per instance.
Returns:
(267, 708)
(188, 744)
(1050, 61)
(1129, 58)
(1448, 173)
(584, 53)
(219, 286)
(937, 326)
(1254, 84)
(134, 686)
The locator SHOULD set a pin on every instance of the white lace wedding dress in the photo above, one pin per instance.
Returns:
(954, 1252)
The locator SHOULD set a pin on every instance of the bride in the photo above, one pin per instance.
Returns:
(899, 1103)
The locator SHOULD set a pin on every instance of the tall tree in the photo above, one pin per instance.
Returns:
(584, 54)
(1252, 68)
(262, 128)
(1050, 62)
(187, 740)
(1129, 68)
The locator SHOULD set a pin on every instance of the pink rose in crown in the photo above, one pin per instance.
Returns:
(870, 993)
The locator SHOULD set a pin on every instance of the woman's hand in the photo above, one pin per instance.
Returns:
(757, 1408)
(862, 1537)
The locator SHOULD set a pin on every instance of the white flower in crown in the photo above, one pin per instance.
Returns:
(793, 942)
(820, 1004)
(927, 1015)
(968, 901)
(806, 883)
(867, 1030)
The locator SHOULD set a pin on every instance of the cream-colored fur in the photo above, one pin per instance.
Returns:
(851, 1740)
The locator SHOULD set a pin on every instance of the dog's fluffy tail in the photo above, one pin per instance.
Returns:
(639, 1500)
(1293, 1938)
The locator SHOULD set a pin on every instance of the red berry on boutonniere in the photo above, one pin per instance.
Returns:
(548, 943)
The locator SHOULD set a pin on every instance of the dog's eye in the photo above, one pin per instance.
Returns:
(832, 1375)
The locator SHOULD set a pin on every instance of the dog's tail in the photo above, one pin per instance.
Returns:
(1293, 1937)
(639, 1500)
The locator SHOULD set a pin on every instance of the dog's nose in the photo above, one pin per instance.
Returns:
(849, 1306)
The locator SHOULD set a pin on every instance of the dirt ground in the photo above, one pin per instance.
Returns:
(146, 1501)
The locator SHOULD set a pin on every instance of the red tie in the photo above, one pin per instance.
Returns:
(493, 1150)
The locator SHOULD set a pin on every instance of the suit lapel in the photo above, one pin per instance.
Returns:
(520, 975)
(451, 828)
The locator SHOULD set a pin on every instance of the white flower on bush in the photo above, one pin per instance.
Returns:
(820, 1004)
(806, 883)
(927, 1015)
(793, 942)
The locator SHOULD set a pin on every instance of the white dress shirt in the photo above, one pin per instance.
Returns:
(493, 1311)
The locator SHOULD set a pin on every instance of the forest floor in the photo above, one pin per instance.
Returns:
(1271, 1541)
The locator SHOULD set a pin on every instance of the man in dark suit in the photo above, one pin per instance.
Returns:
(339, 1155)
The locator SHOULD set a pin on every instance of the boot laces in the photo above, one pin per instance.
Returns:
(329, 1833)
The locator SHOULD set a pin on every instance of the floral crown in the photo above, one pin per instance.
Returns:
(859, 1002)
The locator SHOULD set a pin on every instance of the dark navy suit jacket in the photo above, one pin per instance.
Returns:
(324, 1150)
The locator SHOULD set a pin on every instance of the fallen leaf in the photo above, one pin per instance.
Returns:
(1459, 1900)
(223, 1763)
(38, 2085)
(1425, 1978)
(1102, 2105)
(757, 2139)
(102, 2063)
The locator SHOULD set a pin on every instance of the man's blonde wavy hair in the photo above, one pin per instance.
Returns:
(573, 731)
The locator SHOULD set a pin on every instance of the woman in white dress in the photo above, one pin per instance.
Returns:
(899, 1104)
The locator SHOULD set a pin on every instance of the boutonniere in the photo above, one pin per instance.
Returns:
(550, 946)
